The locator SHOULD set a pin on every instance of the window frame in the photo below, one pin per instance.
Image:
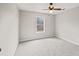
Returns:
(43, 25)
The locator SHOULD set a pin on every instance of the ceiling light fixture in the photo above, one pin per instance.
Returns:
(51, 8)
(50, 11)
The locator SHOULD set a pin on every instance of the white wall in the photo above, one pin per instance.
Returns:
(8, 29)
(28, 25)
(67, 25)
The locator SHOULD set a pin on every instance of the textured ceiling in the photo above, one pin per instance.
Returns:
(38, 7)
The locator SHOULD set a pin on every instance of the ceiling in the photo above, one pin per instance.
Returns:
(38, 7)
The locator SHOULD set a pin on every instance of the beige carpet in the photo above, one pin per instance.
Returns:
(47, 47)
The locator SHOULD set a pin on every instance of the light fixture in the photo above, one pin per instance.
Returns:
(50, 11)
(51, 7)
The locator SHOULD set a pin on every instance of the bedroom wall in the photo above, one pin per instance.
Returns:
(28, 25)
(8, 29)
(67, 25)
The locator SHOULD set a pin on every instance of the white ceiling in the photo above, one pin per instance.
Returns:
(38, 7)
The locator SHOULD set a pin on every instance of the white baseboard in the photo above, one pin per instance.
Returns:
(24, 40)
(73, 42)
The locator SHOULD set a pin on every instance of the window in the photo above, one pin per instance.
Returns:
(40, 23)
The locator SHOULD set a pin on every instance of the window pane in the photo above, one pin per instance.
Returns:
(40, 23)
(39, 20)
(40, 28)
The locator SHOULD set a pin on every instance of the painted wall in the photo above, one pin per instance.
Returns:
(8, 29)
(28, 25)
(67, 25)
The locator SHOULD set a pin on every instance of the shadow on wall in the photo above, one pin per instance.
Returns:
(67, 25)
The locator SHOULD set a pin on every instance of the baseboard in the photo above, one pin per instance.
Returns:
(24, 40)
(73, 42)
